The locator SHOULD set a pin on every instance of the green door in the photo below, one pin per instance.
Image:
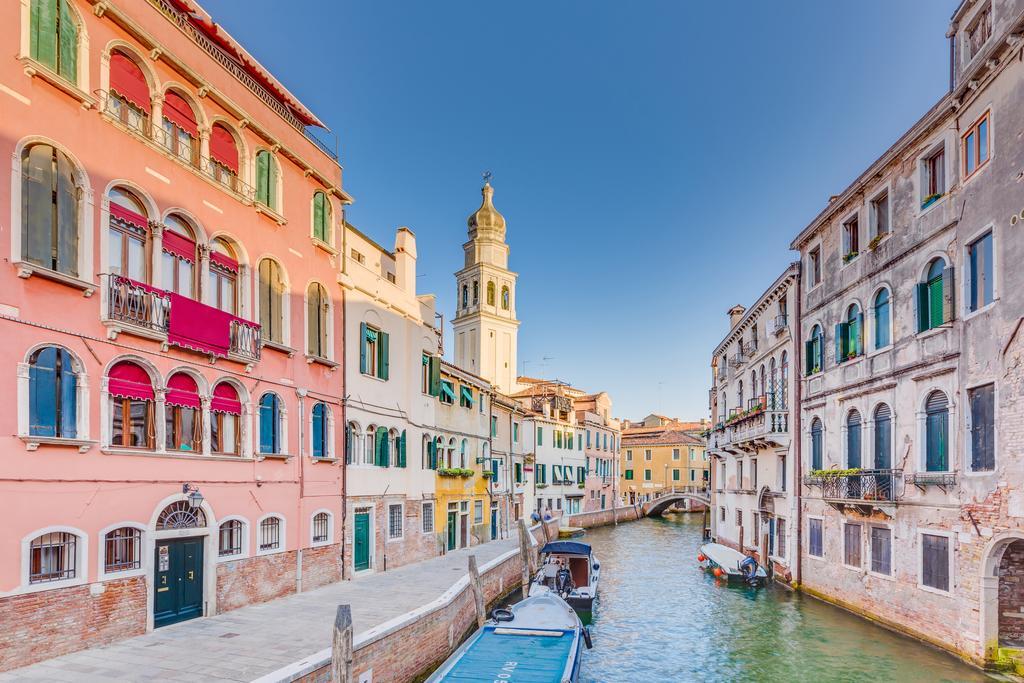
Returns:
(179, 581)
(453, 522)
(362, 541)
(494, 522)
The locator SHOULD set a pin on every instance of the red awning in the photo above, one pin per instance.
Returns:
(223, 149)
(177, 110)
(128, 380)
(182, 391)
(225, 262)
(127, 80)
(128, 216)
(225, 400)
(179, 246)
(196, 326)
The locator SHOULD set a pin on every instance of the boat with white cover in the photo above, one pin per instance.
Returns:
(731, 565)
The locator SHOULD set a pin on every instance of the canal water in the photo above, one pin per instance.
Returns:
(659, 617)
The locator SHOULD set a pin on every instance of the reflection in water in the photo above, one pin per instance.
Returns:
(659, 617)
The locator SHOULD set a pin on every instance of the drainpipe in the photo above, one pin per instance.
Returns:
(301, 393)
(344, 400)
(797, 439)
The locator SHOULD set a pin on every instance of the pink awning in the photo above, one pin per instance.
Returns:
(223, 149)
(194, 325)
(128, 216)
(225, 400)
(225, 262)
(182, 391)
(127, 80)
(128, 380)
(180, 246)
(177, 110)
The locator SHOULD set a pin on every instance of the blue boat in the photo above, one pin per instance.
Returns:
(539, 640)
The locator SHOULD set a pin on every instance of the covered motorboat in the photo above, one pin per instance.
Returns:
(731, 565)
(538, 639)
(570, 570)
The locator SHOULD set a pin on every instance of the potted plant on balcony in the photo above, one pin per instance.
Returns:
(931, 199)
(875, 241)
(849, 256)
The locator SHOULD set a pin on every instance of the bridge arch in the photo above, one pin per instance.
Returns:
(654, 508)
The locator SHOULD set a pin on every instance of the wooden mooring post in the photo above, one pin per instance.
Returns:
(341, 648)
(525, 555)
(478, 592)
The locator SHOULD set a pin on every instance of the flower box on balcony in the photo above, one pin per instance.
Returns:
(850, 256)
(455, 472)
(930, 199)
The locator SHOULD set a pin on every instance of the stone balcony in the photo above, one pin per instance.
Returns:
(752, 431)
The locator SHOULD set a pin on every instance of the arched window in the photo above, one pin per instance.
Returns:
(429, 453)
(225, 413)
(394, 448)
(180, 130)
(849, 342)
(784, 380)
(128, 235)
(317, 321)
(50, 213)
(739, 396)
(935, 296)
(853, 459)
(382, 444)
(504, 298)
(321, 217)
(476, 292)
(753, 387)
(882, 319)
(353, 439)
(266, 179)
(132, 404)
(271, 535)
(122, 550)
(270, 423)
(183, 412)
(271, 287)
(816, 445)
(774, 400)
(130, 101)
(53, 37)
(181, 515)
(321, 443)
(370, 445)
(223, 276)
(53, 394)
(814, 351)
(223, 156)
(883, 437)
(490, 293)
(462, 452)
(465, 296)
(53, 557)
(763, 393)
(178, 264)
(321, 531)
(937, 432)
(230, 538)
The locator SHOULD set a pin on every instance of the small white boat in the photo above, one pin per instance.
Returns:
(731, 565)
(569, 569)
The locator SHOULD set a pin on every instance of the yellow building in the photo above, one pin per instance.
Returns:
(461, 453)
(661, 454)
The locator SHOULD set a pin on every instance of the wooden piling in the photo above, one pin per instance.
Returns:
(478, 592)
(525, 555)
(341, 648)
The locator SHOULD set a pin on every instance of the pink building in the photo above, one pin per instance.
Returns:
(171, 328)
(601, 436)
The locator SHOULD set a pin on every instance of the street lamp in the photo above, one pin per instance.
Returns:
(195, 497)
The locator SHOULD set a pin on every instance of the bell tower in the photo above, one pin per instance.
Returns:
(485, 323)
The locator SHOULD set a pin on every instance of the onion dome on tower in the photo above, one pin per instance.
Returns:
(486, 222)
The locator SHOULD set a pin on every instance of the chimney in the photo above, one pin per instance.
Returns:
(405, 260)
(735, 313)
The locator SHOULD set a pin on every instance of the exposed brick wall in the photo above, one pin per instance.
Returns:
(1011, 595)
(321, 566)
(255, 579)
(412, 547)
(38, 626)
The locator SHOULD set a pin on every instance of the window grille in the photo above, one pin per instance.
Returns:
(270, 533)
(321, 524)
(53, 557)
(123, 550)
(230, 538)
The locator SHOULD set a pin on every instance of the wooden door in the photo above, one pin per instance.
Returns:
(178, 574)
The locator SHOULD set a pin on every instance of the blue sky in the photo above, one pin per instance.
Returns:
(653, 159)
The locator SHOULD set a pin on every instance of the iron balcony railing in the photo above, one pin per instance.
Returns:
(860, 485)
(780, 323)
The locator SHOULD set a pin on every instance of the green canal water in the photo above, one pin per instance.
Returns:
(659, 617)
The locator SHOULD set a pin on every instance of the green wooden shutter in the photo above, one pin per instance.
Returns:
(434, 369)
(319, 230)
(263, 178)
(840, 343)
(629, 474)
(383, 354)
(809, 357)
(431, 455)
(362, 348)
(858, 336)
(922, 306)
(272, 182)
(936, 304)
(68, 47)
(401, 449)
(383, 452)
(43, 29)
(540, 436)
(948, 295)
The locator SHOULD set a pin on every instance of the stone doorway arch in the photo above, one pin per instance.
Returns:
(1002, 594)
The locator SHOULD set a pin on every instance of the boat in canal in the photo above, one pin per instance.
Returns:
(569, 569)
(540, 639)
(731, 565)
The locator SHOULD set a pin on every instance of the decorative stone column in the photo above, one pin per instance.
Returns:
(156, 235)
(203, 273)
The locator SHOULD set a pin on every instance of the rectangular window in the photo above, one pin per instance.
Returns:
(556, 474)
(851, 239)
(739, 517)
(851, 545)
(935, 561)
(395, 521)
(881, 550)
(721, 513)
(629, 454)
(647, 454)
(358, 257)
(978, 33)
(542, 474)
(428, 518)
(675, 453)
(647, 475)
(780, 537)
(979, 254)
(814, 266)
(465, 397)
(494, 426)
(540, 436)
(629, 475)
(975, 146)
(880, 216)
(753, 474)
(814, 538)
(373, 352)
(933, 177)
(478, 512)
(675, 475)
(515, 432)
(982, 427)
(447, 392)
(519, 472)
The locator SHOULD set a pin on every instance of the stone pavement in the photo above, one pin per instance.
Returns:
(253, 641)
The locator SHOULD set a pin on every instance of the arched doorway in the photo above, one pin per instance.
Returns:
(1002, 594)
(183, 578)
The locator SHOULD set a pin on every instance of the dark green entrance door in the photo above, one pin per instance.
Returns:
(494, 522)
(361, 554)
(453, 522)
(178, 572)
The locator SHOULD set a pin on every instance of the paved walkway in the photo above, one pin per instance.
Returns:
(253, 641)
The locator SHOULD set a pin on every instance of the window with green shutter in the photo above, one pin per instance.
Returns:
(383, 447)
(373, 352)
(542, 474)
(540, 436)
(401, 449)
(518, 472)
(935, 297)
(53, 37)
(515, 432)
(494, 425)
(675, 475)
(465, 396)
(447, 395)
(321, 217)
(937, 432)
(629, 474)
(266, 179)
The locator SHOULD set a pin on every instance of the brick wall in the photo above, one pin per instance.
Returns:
(1011, 595)
(415, 545)
(587, 520)
(321, 566)
(255, 579)
(38, 626)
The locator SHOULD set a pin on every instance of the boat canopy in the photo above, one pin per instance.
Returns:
(567, 548)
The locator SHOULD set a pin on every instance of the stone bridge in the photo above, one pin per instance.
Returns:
(667, 500)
